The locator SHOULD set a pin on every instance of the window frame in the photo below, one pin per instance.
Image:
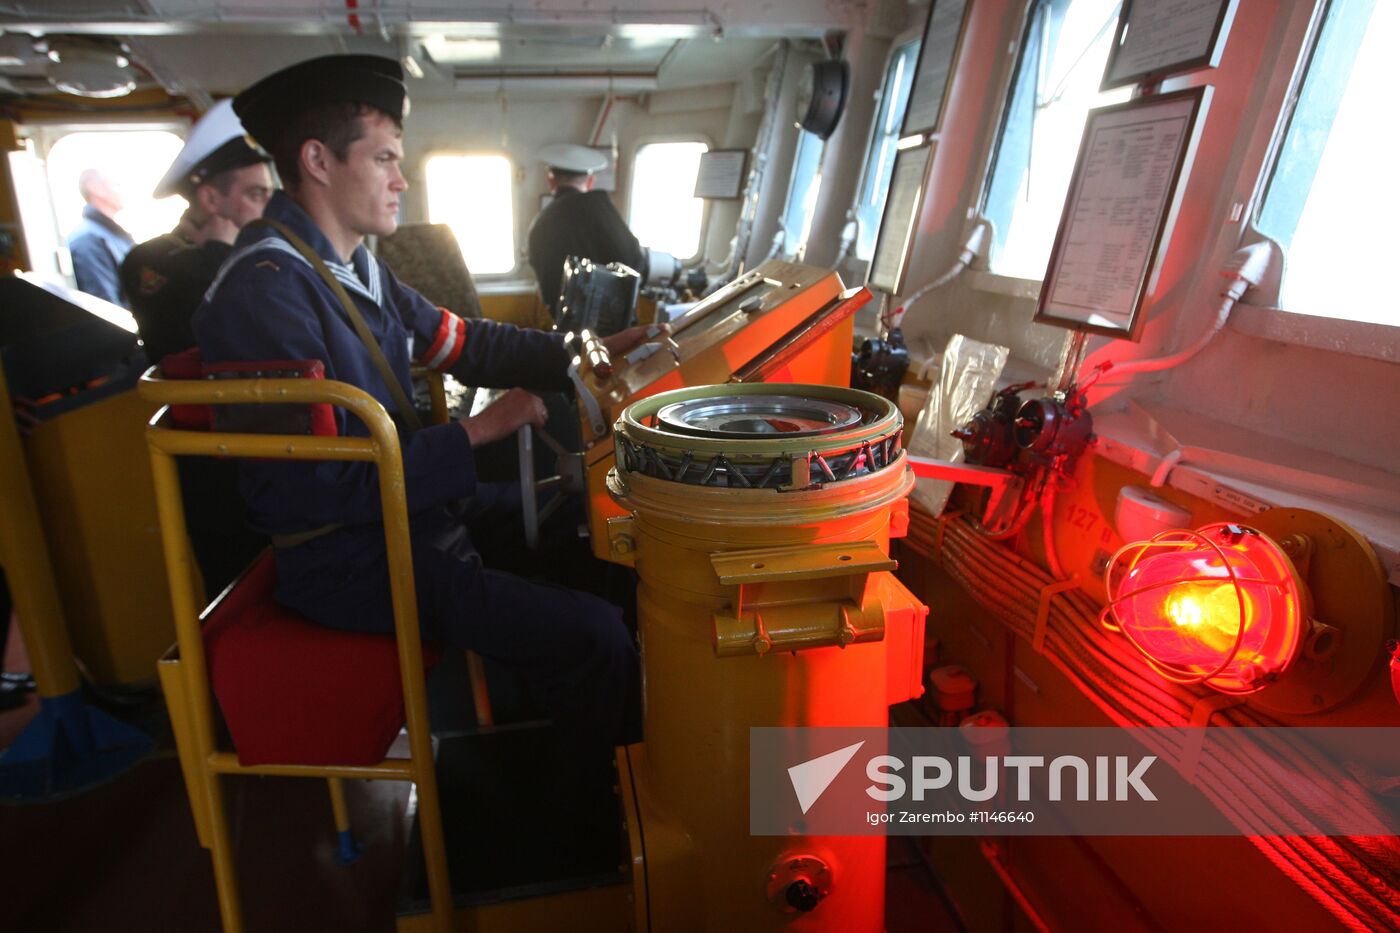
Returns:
(708, 204)
(987, 279)
(516, 252)
(790, 237)
(1260, 312)
(908, 39)
(47, 135)
(42, 135)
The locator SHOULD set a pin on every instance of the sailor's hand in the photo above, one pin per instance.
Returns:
(502, 417)
(624, 340)
(216, 228)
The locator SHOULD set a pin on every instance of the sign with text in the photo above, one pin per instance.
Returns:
(1166, 37)
(1122, 203)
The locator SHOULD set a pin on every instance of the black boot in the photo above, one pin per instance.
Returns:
(25, 680)
(12, 693)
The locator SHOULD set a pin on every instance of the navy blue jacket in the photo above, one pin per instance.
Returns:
(267, 303)
(98, 245)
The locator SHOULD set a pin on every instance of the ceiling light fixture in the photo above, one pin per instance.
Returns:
(86, 70)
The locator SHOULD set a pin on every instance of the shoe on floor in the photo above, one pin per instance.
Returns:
(23, 680)
(12, 695)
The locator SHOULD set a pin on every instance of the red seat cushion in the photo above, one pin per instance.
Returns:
(317, 418)
(293, 692)
(187, 365)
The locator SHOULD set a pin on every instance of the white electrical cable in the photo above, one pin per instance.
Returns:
(1350, 877)
(1156, 364)
(777, 245)
(970, 251)
(850, 232)
(1165, 467)
(1245, 270)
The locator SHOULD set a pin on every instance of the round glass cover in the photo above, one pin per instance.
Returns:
(757, 416)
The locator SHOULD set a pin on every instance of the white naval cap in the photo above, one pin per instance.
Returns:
(569, 157)
(216, 144)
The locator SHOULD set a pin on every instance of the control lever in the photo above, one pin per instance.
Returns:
(585, 346)
(590, 404)
(568, 480)
(599, 360)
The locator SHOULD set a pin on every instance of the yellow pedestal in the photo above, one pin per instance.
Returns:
(757, 608)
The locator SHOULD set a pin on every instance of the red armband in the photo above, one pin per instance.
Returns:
(447, 344)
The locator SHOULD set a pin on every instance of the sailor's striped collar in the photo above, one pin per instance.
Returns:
(360, 276)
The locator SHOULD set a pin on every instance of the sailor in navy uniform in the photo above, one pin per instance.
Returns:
(333, 126)
(226, 183)
(577, 222)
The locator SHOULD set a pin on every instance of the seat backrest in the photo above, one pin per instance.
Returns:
(317, 419)
(427, 258)
(187, 365)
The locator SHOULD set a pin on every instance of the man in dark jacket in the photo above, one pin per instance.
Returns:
(99, 244)
(226, 183)
(578, 222)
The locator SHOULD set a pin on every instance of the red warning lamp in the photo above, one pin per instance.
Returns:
(1222, 605)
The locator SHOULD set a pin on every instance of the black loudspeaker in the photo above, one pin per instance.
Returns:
(599, 299)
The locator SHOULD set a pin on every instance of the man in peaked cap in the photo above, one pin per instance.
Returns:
(578, 221)
(226, 183)
(334, 128)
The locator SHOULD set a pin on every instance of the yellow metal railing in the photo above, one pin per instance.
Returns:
(186, 679)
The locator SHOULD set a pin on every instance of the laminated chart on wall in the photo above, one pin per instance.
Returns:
(1123, 198)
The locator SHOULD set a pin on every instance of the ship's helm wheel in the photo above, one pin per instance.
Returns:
(567, 480)
(591, 356)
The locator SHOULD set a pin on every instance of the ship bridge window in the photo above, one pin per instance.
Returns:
(884, 141)
(802, 193)
(471, 193)
(132, 158)
(1334, 192)
(1056, 84)
(662, 211)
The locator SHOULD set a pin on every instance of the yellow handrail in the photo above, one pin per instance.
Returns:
(381, 448)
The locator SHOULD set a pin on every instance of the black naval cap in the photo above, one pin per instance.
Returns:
(331, 79)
